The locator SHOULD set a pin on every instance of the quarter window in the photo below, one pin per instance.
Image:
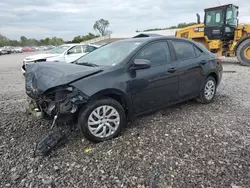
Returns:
(157, 53)
(197, 51)
(184, 50)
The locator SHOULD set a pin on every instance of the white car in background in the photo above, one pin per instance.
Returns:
(63, 53)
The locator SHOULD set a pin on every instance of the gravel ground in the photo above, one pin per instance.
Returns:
(187, 145)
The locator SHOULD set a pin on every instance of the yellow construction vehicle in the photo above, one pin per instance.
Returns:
(221, 33)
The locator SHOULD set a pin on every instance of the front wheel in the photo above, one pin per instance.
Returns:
(208, 91)
(102, 120)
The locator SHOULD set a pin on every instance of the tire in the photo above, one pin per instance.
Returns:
(205, 98)
(87, 119)
(241, 55)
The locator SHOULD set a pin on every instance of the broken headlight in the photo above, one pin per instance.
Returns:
(63, 100)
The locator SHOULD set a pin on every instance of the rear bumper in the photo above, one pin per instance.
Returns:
(219, 75)
(219, 78)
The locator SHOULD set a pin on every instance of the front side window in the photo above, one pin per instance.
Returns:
(214, 18)
(157, 53)
(184, 50)
(75, 50)
(59, 49)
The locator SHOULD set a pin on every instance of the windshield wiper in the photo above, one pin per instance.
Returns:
(87, 64)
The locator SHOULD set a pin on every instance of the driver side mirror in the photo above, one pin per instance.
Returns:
(140, 64)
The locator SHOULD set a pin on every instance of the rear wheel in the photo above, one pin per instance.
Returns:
(208, 92)
(243, 53)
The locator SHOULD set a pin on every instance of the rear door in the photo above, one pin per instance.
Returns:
(190, 68)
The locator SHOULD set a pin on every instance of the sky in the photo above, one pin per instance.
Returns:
(68, 18)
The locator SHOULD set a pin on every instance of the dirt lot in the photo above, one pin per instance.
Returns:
(187, 145)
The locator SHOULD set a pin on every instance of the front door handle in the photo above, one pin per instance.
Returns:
(172, 70)
(203, 62)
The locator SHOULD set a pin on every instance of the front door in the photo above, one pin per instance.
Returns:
(154, 87)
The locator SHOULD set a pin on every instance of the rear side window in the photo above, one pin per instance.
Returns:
(157, 53)
(184, 50)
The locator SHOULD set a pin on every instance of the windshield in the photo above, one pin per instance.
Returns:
(214, 18)
(231, 18)
(110, 54)
(59, 49)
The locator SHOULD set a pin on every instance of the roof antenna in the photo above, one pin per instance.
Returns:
(219, 2)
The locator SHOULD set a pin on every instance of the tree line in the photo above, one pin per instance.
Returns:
(24, 41)
(180, 25)
(101, 26)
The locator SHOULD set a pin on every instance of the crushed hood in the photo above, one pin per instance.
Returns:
(42, 76)
(40, 56)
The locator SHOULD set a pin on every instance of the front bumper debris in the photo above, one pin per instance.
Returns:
(33, 108)
(50, 142)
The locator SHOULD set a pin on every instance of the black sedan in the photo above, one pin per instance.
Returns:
(104, 89)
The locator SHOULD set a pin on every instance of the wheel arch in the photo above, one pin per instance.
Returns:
(117, 95)
(214, 75)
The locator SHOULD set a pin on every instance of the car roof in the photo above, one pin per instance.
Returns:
(150, 39)
(71, 44)
(78, 44)
(147, 35)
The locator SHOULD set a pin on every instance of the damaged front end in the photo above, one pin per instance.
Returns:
(61, 102)
(51, 96)
(49, 89)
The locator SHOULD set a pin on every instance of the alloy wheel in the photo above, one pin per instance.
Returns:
(103, 121)
(209, 90)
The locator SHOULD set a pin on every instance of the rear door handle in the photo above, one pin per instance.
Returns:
(172, 70)
(203, 62)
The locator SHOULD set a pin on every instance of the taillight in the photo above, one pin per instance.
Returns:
(219, 60)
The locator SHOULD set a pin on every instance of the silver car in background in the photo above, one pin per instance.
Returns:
(64, 53)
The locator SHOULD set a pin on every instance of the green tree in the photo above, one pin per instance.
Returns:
(14, 43)
(77, 39)
(47, 41)
(23, 40)
(89, 36)
(180, 25)
(102, 27)
(4, 41)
